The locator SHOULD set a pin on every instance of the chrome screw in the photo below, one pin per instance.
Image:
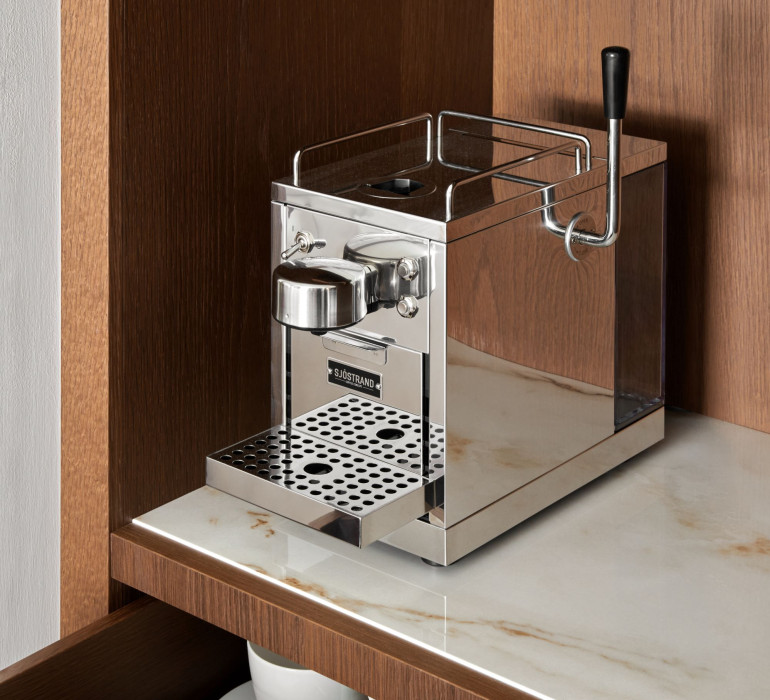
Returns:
(407, 268)
(407, 307)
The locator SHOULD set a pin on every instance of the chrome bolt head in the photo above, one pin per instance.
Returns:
(407, 307)
(407, 268)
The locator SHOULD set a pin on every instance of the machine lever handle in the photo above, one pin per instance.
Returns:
(615, 64)
(303, 242)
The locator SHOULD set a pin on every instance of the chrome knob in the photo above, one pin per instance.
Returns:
(407, 268)
(407, 307)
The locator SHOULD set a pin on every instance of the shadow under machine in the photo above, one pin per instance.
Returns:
(463, 333)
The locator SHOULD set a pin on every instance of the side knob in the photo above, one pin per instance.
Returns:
(407, 268)
(407, 307)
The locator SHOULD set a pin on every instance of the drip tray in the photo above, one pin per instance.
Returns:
(376, 430)
(317, 482)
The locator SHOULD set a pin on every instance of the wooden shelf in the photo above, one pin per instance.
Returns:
(332, 643)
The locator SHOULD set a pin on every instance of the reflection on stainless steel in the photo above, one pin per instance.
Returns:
(401, 375)
(355, 346)
(338, 233)
(507, 424)
(325, 293)
(407, 307)
(496, 170)
(478, 366)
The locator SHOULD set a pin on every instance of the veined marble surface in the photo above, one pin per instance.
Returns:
(651, 583)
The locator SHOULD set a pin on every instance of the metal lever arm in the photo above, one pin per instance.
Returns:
(303, 242)
(615, 65)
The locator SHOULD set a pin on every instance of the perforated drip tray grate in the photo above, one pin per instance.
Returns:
(315, 479)
(374, 429)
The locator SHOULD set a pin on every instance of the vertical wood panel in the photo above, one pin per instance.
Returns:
(446, 56)
(84, 279)
(700, 81)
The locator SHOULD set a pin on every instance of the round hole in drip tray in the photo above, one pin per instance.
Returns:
(318, 468)
(390, 434)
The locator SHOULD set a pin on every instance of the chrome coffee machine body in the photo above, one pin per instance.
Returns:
(464, 334)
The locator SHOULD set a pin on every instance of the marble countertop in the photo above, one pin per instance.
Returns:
(652, 582)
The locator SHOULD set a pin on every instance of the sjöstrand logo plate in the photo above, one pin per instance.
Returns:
(355, 378)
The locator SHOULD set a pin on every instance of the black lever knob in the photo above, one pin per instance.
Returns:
(615, 62)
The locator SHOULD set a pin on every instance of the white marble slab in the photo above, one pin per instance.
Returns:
(653, 582)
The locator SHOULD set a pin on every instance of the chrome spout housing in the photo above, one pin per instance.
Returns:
(319, 294)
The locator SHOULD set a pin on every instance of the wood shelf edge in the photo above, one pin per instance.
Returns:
(310, 633)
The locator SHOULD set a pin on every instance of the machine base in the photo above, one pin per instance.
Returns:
(447, 545)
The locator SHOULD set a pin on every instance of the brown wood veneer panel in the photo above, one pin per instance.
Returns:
(700, 80)
(84, 347)
(332, 643)
(446, 56)
(147, 650)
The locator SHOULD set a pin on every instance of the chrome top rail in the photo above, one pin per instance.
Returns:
(514, 125)
(359, 134)
(495, 172)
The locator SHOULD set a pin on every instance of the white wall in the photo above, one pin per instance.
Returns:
(29, 326)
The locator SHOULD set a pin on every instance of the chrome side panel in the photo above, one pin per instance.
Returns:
(530, 356)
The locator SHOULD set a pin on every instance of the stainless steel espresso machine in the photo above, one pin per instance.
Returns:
(464, 334)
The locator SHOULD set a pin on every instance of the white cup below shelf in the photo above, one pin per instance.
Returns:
(275, 678)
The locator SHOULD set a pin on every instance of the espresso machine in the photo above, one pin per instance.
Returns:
(463, 334)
